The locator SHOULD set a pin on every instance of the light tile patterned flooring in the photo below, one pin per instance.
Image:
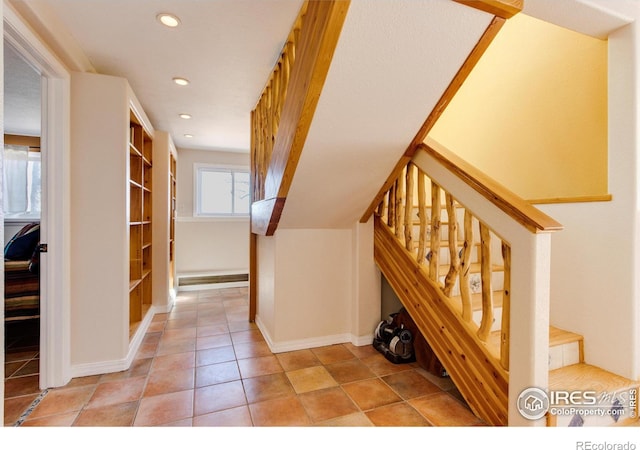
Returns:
(204, 364)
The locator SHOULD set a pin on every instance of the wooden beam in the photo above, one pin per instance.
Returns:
(253, 276)
(318, 39)
(466, 68)
(265, 216)
(26, 141)
(501, 8)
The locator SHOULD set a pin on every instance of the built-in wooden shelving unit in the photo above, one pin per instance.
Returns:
(172, 221)
(140, 226)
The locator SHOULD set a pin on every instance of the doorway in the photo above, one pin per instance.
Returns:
(54, 265)
(22, 200)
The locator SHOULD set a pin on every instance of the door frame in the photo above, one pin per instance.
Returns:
(55, 317)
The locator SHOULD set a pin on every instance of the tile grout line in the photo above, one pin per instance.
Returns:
(30, 408)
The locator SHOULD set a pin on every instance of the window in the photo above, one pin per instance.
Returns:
(221, 191)
(21, 189)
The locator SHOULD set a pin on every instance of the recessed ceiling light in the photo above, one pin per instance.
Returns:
(188, 136)
(168, 20)
(185, 116)
(180, 81)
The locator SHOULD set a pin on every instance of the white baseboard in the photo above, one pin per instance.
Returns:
(118, 365)
(314, 342)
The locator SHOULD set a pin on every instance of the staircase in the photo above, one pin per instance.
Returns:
(469, 268)
(472, 266)
(610, 400)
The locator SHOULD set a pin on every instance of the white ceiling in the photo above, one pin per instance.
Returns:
(226, 48)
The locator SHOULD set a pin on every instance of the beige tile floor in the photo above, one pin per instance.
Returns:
(205, 365)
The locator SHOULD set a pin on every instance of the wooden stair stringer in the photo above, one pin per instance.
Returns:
(476, 373)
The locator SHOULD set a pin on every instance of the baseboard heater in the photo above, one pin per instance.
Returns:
(195, 280)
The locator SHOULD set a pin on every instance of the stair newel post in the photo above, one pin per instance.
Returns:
(400, 193)
(422, 215)
(408, 209)
(454, 258)
(465, 265)
(436, 212)
(485, 276)
(506, 307)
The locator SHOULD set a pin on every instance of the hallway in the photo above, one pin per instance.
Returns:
(204, 364)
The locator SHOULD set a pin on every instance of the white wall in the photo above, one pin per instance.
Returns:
(317, 287)
(99, 234)
(205, 245)
(595, 264)
(163, 291)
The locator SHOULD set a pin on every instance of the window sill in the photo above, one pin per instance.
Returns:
(212, 219)
(21, 218)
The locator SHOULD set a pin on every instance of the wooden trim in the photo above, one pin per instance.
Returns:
(265, 216)
(477, 374)
(466, 68)
(501, 8)
(520, 210)
(583, 199)
(318, 39)
(253, 276)
(27, 141)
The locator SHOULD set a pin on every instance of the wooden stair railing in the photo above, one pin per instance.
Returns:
(282, 117)
(452, 267)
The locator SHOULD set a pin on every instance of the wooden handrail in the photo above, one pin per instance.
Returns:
(286, 110)
(520, 210)
(501, 8)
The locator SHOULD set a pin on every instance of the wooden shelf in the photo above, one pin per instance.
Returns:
(172, 219)
(140, 226)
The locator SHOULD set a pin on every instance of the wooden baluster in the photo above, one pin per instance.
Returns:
(286, 66)
(422, 214)
(380, 210)
(465, 265)
(391, 212)
(505, 332)
(436, 211)
(270, 125)
(485, 275)
(454, 264)
(400, 204)
(408, 209)
(276, 100)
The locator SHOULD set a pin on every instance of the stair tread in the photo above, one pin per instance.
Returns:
(558, 336)
(585, 376)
